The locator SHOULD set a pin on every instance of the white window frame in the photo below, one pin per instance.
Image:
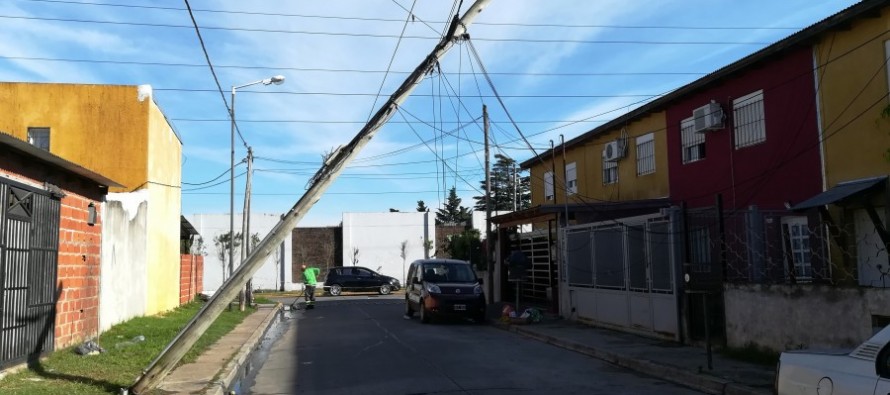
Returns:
(749, 120)
(37, 136)
(571, 179)
(692, 143)
(645, 154)
(798, 247)
(548, 185)
(610, 172)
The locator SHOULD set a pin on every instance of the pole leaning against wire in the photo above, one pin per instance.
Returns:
(330, 169)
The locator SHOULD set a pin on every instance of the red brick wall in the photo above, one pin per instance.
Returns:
(77, 311)
(191, 277)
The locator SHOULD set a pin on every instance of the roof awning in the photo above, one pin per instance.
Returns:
(842, 191)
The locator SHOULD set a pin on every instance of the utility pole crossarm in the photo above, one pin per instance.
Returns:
(332, 167)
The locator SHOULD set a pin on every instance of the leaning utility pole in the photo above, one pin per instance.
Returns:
(488, 238)
(330, 169)
(244, 295)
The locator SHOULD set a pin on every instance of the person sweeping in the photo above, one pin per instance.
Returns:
(309, 282)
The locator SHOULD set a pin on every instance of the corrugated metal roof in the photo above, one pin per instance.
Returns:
(840, 192)
(863, 8)
(47, 157)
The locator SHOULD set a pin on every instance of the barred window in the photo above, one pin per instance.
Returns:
(693, 144)
(646, 154)
(610, 172)
(797, 248)
(548, 185)
(748, 119)
(571, 179)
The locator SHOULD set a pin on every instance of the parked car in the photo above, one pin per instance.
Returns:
(865, 370)
(444, 287)
(358, 279)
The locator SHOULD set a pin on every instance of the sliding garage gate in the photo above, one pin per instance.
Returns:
(621, 274)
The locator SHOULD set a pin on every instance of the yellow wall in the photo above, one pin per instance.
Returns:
(855, 138)
(589, 165)
(100, 127)
(164, 208)
(108, 130)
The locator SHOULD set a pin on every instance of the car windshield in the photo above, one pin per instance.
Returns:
(448, 272)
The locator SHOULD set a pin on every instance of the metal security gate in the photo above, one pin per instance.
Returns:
(29, 243)
(622, 274)
(536, 288)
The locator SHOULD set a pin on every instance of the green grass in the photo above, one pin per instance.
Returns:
(752, 353)
(263, 300)
(65, 372)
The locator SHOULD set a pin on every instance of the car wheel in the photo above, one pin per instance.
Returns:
(385, 289)
(424, 315)
(336, 290)
(409, 312)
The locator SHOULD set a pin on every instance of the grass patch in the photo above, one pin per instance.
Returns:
(263, 300)
(65, 372)
(752, 353)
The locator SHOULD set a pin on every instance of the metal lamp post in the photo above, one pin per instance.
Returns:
(277, 80)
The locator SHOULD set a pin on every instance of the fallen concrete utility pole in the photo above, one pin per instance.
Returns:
(330, 169)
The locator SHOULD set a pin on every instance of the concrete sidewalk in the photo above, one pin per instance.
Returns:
(215, 369)
(665, 360)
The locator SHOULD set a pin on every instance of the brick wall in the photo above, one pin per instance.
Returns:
(77, 311)
(191, 277)
(319, 247)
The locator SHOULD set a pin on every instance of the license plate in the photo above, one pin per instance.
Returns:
(460, 307)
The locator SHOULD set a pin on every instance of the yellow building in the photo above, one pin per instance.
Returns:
(854, 124)
(121, 133)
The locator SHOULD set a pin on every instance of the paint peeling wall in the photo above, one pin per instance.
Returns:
(124, 273)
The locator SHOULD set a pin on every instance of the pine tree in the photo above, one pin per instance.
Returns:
(421, 206)
(502, 183)
(452, 212)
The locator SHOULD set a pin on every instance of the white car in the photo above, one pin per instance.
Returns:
(864, 371)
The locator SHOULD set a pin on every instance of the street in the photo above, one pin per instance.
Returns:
(364, 345)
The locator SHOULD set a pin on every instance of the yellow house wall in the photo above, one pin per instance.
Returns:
(100, 127)
(856, 139)
(589, 165)
(164, 177)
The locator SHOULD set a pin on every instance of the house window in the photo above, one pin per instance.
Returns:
(571, 179)
(748, 118)
(548, 185)
(610, 171)
(39, 137)
(693, 143)
(797, 247)
(646, 154)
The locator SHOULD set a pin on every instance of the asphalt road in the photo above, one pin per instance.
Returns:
(364, 345)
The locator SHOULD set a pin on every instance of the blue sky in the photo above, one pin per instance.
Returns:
(561, 67)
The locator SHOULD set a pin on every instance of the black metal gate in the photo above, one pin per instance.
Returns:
(29, 244)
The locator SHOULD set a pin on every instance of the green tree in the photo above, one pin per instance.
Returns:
(421, 206)
(452, 212)
(503, 183)
(467, 246)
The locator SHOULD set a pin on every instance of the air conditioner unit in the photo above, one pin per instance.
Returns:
(708, 117)
(613, 151)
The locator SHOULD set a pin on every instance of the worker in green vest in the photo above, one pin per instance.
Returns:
(309, 283)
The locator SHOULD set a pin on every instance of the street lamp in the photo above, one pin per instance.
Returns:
(277, 80)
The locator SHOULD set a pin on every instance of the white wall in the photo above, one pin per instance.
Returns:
(379, 236)
(123, 280)
(268, 276)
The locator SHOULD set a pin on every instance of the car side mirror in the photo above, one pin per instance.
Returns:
(479, 280)
(416, 280)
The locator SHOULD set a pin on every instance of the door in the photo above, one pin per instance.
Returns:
(796, 246)
(871, 255)
(364, 279)
(29, 229)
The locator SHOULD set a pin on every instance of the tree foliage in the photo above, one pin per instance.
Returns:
(452, 212)
(468, 247)
(421, 206)
(503, 182)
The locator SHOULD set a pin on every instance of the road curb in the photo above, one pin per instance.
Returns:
(230, 371)
(701, 382)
